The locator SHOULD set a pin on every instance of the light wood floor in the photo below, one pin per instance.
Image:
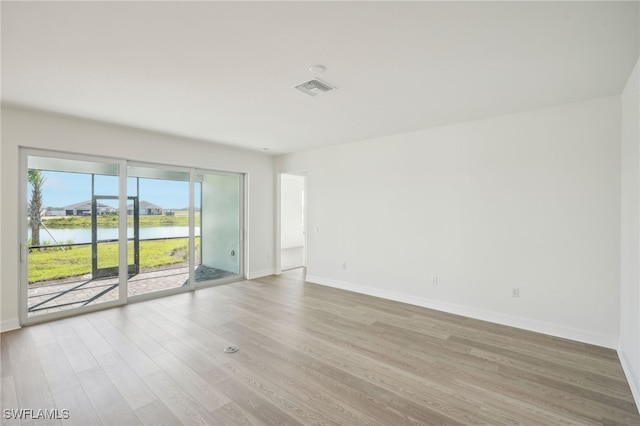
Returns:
(308, 355)
(291, 258)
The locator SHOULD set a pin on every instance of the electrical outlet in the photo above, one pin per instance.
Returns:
(434, 279)
(515, 292)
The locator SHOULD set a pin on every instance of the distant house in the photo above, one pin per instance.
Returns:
(55, 211)
(146, 208)
(84, 209)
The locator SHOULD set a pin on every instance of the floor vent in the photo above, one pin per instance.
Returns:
(231, 349)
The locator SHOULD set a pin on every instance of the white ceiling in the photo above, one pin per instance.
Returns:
(225, 71)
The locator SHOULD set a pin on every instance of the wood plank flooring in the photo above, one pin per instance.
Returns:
(308, 355)
(291, 258)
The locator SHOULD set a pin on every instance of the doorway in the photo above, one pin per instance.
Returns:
(293, 221)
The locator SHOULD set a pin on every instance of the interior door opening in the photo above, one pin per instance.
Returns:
(292, 221)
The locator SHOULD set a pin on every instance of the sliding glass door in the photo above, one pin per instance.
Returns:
(71, 244)
(100, 232)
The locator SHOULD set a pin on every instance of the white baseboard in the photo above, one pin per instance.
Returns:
(260, 274)
(556, 330)
(8, 325)
(633, 377)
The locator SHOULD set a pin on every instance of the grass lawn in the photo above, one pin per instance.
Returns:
(54, 263)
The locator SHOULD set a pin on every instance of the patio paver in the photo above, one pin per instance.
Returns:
(75, 292)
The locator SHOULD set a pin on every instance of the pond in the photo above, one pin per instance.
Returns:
(83, 235)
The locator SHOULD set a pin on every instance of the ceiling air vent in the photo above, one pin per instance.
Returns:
(314, 87)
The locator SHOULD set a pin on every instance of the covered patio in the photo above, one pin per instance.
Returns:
(74, 292)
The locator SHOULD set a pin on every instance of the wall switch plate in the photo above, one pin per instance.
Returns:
(515, 292)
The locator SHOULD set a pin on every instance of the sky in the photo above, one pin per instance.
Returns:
(62, 189)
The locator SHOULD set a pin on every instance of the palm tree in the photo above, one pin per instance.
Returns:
(35, 204)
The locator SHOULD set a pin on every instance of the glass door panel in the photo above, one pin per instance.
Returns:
(65, 270)
(220, 227)
(162, 208)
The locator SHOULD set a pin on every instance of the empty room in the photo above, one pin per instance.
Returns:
(328, 212)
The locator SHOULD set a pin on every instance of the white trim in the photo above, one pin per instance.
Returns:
(632, 379)
(23, 272)
(123, 200)
(192, 228)
(246, 234)
(260, 274)
(299, 176)
(305, 220)
(556, 330)
(242, 223)
(278, 239)
(10, 324)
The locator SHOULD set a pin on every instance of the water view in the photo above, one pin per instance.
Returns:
(83, 235)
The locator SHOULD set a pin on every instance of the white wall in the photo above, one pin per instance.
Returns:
(629, 349)
(57, 132)
(291, 211)
(530, 200)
